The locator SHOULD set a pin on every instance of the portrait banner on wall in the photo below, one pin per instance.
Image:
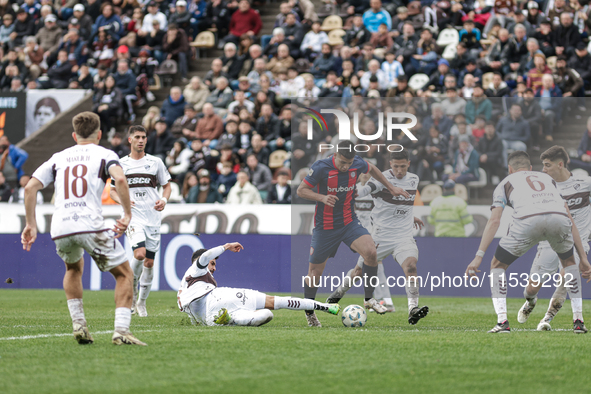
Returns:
(44, 105)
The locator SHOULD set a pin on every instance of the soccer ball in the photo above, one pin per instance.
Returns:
(354, 316)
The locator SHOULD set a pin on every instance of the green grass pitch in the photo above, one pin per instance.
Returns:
(447, 352)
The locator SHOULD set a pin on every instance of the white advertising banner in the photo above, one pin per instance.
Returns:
(235, 219)
(44, 105)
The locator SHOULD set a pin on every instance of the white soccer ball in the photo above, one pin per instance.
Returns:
(354, 316)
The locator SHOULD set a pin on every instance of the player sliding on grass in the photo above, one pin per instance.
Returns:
(539, 214)
(393, 223)
(575, 191)
(79, 174)
(210, 305)
(331, 183)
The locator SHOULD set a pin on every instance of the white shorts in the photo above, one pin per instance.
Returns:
(547, 261)
(141, 236)
(525, 233)
(400, 249)
(102, 246)
(234, 300)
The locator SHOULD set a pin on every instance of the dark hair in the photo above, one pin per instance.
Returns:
(86, 124)
(519, 159)
(347, 149)
(402, 155)
(48, 102)
(136, 128)
(554, 153)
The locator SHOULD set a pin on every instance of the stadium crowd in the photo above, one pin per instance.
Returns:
(227, 137)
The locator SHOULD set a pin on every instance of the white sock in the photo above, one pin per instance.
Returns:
(122, 319)
(382, 291)
(412, 292)
(556, 302)
(529, 297)
(499, 293)
(574, 289)
(251, 318)
(347, 282)
(77, 311)
(146, 283)
(299, 304)
(388, 301)
(136, 267)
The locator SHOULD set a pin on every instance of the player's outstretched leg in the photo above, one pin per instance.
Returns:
(73, 289)
(531, 297)
(382, 291)
(136, 267)
(251, 318)
(575, 292)
(310, 289)
(302, 304)
(556, 302)
(347, 283)
(123, 296)
(499, 294)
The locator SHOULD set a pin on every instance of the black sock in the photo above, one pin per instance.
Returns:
(310, 293)
(370, 272)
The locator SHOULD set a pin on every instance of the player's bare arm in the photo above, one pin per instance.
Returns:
(378, 176)
(487, 237)
(160, 204)
(418, 223)
(306, 192)
(29, 234)
(584, 265)
(122, 190)
(115, 197)
(233, 247)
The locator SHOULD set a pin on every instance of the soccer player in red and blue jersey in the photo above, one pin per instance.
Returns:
(331, 183)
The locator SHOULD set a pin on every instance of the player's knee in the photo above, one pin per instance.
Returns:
(371, 257)
(148, 263)
(139, 254)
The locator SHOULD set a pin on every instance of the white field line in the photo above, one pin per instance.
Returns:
(58, 335)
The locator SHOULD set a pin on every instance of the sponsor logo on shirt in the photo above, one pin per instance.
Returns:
(340, 189)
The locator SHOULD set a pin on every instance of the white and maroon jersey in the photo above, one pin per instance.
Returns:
(363, 208)
(79, 174)
(197, 280)
(394, 213)
(575, 191)
(143, 177)
(529, 193)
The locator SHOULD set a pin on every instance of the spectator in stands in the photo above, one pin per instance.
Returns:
(375, 16)
(465, 162)
(196, 93)
(152, 15)
(551, 103)
(60, 73)
(432, 154)
(449, 213)
(513, 51)
(277, 39)
(108, 103)
(160, 142)
(5, 189)
(118, 146)
(560, 6)
(437, 78)
(479, 105)
(18, 195)
(200, 156)
(259, 174)
(534, 76)
(438, 119)
(258, 148)
(182, 18)
(109, 22)
(243, 192)
(527, 61)
(227, 178)
(248, 59)
(190, 181)
(566, 36)
(581, 63)
(282, 61)
(176, 44)
(49, 36)
(125, 80)
(311, 45)
(84, 20)
(232, 64)
(532, 113)
(280, 193)
(514, 131)
(12, 159)
(178, 160)
(75, 47)
(173, 107)
(406, 45)
(204, 192)
(222, 96)
(212, 76)
(210, 127)
(23, 27)
(333, 87)
(374, 70)
(323, 64)
(357, 35)
(245, 20)
(282, 138)
(267, 125)
(425, 58)
(294, 32)
(453, 104)
(545, 38)
(583, 159)
(217, 15)
(382, 38)
(570, 83)
(185, 125)
(154, 41)
(498, 88)
(491, 150)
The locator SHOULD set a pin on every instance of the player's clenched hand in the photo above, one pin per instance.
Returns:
(28, 237)
(418, 223)
(121, 226)
(329, 200)
(472, 269)
(234, 247)
(160, 204)
(398, 191)
(585, 269)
